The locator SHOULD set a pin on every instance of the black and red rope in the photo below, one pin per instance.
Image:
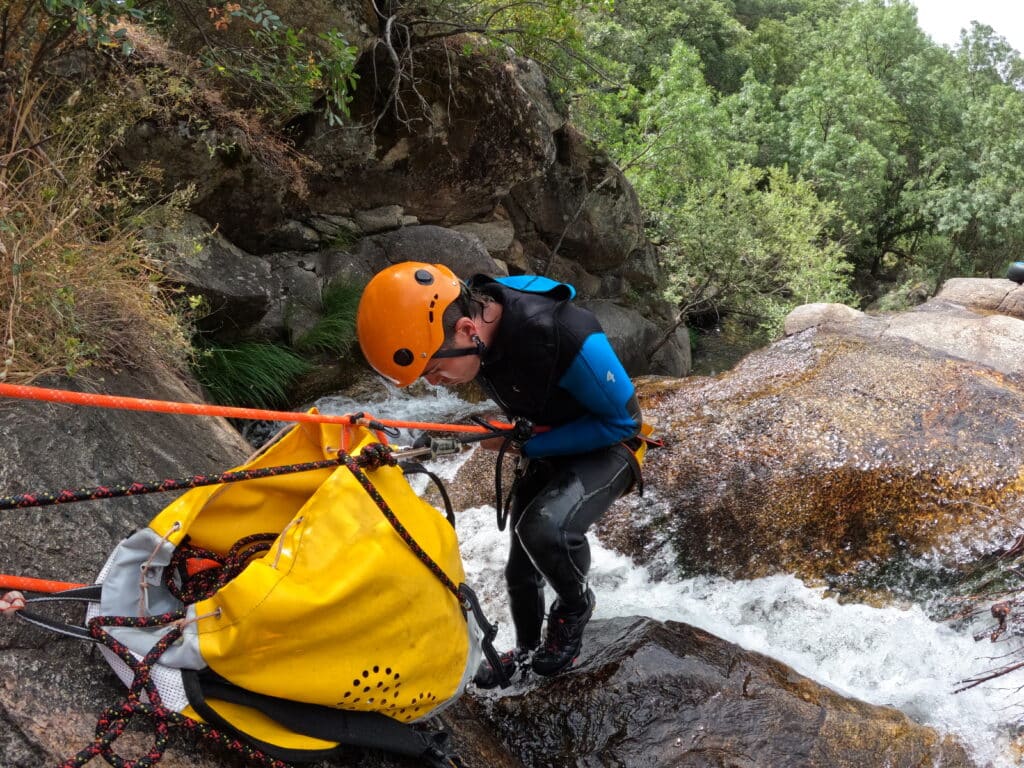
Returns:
(191, 587)
(374, 456)
(24, 500)
(113, 722)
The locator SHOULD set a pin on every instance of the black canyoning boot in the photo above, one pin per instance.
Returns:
(511, 661)
(564, 638)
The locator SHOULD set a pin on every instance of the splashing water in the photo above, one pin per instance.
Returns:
(888, 656)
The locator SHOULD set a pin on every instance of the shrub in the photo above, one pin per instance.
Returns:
(336, 331)
(282, 68)
(752, 243)
(252, 374)
(75, 287)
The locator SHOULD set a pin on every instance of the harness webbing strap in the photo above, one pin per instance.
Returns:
(85, 593)
(348, 728)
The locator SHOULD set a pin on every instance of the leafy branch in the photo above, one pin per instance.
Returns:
(34, 31)
(545, 31)
(284, 67)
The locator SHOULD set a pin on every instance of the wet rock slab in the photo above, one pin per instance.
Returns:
(647, 694)
(848, 452)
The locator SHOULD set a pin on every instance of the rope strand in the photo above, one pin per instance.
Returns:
(24, 500)
(117, 402)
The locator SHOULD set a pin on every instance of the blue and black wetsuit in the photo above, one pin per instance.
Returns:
(550, 362)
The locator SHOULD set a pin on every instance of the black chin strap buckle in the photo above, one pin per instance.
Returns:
(481, 348)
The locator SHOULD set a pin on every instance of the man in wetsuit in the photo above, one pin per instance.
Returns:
(543, 359)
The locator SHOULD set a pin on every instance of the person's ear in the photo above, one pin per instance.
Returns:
(467, 326)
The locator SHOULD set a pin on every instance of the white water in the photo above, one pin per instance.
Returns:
(887, 656)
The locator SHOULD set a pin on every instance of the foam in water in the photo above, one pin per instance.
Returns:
(887, 656)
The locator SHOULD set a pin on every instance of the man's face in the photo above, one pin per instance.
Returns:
(451, 371)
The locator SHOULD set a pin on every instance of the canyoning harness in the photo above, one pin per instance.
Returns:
(513, 439)
(194, 574)
(550, 362)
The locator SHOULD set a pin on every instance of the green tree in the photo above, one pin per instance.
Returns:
(979, 206)
(855, 119)
(33, 33)
(989, 58)
(641, 36)
(734, 238)
(689, 134)
(756, 122)
(914, 147)
(752, 244)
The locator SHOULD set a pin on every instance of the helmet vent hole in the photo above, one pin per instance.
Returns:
(403, 357)
(423, 277)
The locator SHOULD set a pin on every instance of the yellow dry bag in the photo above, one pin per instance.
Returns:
(322, 610)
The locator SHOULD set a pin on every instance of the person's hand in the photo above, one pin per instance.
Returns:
(11, 603)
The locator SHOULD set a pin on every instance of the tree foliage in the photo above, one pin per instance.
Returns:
(907, 155)
(265, 61)
(752, 241)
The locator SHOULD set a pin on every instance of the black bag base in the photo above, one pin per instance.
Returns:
(347, 728)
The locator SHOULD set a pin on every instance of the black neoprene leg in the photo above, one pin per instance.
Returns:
(524, 582)
(551, 530)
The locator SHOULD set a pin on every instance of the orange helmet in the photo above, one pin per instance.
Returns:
(399, 321)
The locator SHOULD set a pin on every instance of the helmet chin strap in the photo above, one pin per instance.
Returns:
(479, 349)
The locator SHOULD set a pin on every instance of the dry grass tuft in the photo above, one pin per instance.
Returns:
(75, 289)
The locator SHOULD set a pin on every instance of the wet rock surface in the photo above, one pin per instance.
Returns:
(642, 688)
(842, 452)
(647, 694)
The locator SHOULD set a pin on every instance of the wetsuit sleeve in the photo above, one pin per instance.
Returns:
(597, 380)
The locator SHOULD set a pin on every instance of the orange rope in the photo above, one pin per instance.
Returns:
(35, 585)
(67, 397)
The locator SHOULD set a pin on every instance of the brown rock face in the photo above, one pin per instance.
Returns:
(656, 694)
(472, 132)
(848, 449)
(54, 688)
